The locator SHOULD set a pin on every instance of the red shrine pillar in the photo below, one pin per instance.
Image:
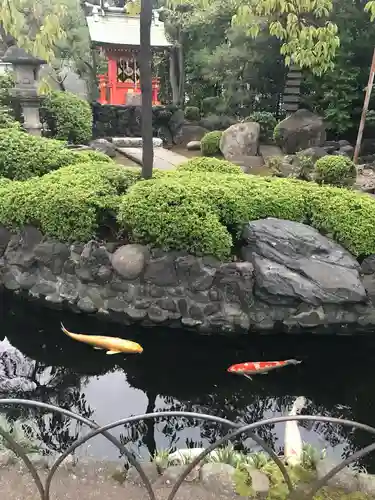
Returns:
(112, 79)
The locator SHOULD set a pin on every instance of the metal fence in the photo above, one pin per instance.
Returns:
(234, 430)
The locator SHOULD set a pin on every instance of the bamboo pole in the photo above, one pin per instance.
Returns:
(364, 110)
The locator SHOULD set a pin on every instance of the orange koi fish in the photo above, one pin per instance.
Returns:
(260, 367)
(113, 345)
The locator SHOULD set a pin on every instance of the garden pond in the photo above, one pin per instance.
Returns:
(183, 371)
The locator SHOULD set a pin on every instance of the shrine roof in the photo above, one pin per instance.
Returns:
(122, 30)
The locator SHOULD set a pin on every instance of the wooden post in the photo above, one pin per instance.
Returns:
(146, 88)
(364, 110)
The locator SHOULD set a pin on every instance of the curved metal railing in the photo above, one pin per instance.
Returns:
(235, 430)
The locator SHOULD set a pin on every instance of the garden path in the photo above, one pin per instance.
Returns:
(164, 159)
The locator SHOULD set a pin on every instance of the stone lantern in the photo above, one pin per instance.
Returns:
(26, 69)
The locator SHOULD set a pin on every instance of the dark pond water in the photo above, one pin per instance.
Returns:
(183, 371)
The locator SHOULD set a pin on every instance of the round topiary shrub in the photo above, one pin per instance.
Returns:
(68, 117)
(335, 170)
(23, 155)
(205, 164)
(192, 113)
(210, 143)
(171, 215)
(267, 123)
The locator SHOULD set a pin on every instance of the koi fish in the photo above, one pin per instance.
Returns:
(260, 367)
(293, 446)
(113, 345)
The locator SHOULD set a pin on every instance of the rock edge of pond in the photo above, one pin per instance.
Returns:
(291, 279)
(215, 478)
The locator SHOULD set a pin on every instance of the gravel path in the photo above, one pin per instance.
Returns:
(93, 484)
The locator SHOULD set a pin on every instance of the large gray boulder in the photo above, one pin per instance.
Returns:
(188, 133)
(103, 146)
(295, 263)
(301, 130)
(240, 140)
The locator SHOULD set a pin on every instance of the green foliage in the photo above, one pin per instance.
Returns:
(306, 167)
(210, 105)
(68, 117)
(91, 156)
(69, 204)
(170, 214)
(267, 122)
(205, 164)
(274, 164)
(310, 45)
(7, 120)
(347, 215)
(192, 113)
(210, 143)
(23, 155)
(335, 170)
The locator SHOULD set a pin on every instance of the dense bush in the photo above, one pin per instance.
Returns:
(210, 143)
(335, 170)
(23, 155)
(91, 156)
(168, 212)
(70, 203)
(192, 113)
(267, 122)
(205, 164)
(7, 119)
(68, 117)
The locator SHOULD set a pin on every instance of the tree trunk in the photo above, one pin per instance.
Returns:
(146, 88)
(181, 72)
(173, 77)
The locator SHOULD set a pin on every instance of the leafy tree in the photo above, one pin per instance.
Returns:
(338, 94)
(307, 38)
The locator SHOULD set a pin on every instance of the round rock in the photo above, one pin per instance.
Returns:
(193, 145)
(129, 260)
(219, 478)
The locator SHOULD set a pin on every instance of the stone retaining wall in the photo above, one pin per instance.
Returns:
(291, 278)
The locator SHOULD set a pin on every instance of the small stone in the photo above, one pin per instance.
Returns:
(135, 314)
(150, 469)
(161, 272)
(129, 260)
(193, 145)
(219, 478)
(43, 288)
(260, 484)
(7, 457)
(366, 483)
(157, 315)
(173, 472)
(85, 304)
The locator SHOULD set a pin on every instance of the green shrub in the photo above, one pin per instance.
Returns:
(347, 215)
(192, 113)
(91, 156)
(170, 215)
(7, 119)
(205, 164)
(68, 117)
(210, 143)
(335, 170)
(267, 122)
(69, 204)
(23, 155)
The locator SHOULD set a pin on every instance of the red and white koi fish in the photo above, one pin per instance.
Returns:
(260, 367)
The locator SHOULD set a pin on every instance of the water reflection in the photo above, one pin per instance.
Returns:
(182, 371)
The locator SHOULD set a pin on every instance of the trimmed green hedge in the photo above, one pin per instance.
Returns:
(68, 116)
(68, 204)
(23, 156)
(335, 170)
(210, 143)
(206, 164)
(192, 209)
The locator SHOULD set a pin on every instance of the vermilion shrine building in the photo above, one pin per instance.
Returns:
(118, 36)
